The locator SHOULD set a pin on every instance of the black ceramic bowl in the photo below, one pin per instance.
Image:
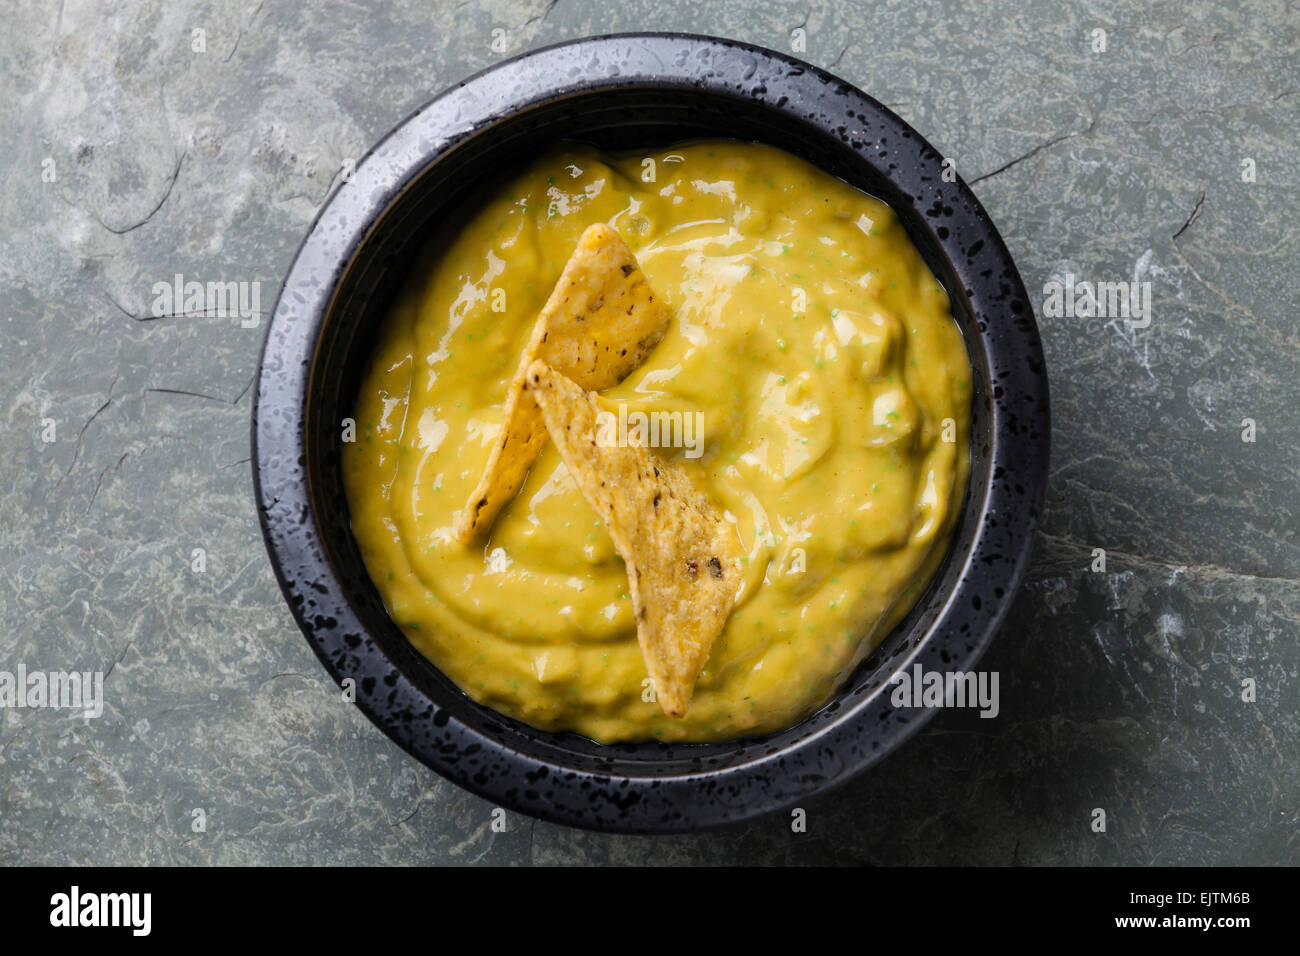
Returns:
(638, 90)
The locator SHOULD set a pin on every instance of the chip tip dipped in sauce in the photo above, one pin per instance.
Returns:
(600, 323)
(662, 526)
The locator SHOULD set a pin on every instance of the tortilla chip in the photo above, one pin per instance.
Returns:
(599, 324)
(682, 558)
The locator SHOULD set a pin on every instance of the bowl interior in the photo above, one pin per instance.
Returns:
(620, 118)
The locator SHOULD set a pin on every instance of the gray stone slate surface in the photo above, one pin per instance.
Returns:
(1121, 689)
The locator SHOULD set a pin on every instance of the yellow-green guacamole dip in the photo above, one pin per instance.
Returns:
(835, 392)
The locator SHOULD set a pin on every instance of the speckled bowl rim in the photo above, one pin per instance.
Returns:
(1007, 506)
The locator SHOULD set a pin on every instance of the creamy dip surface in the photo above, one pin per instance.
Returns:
(833, 388)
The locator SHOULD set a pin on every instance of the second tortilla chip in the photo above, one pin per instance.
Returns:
(599, 324)
(682, 558)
